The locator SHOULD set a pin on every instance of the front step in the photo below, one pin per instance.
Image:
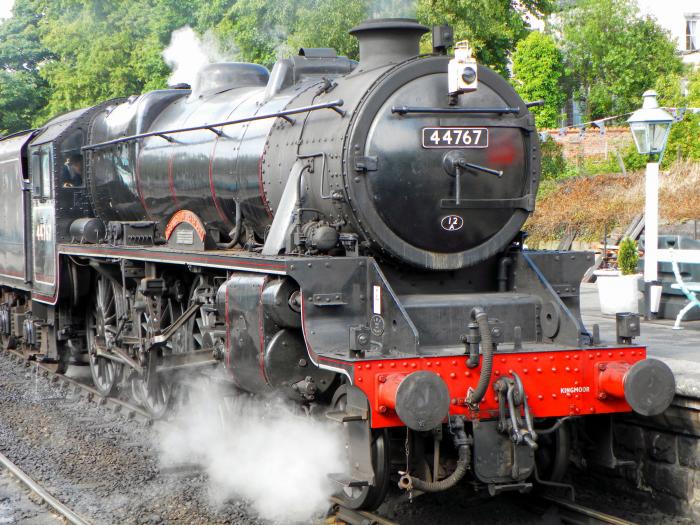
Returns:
(341, 416)
(348, 481)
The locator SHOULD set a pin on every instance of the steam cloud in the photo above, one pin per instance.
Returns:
(259, 450)
(393, 9)
(187, 53)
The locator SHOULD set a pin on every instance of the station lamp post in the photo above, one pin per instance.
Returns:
(650, 127)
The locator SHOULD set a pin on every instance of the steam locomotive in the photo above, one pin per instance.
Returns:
(345, 233)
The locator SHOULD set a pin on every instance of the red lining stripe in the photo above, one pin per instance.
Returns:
(184, 258)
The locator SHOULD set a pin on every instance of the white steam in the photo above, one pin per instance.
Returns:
(259, 450)
(393, 8)
(187, 53)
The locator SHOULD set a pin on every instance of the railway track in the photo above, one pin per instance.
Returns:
(342, 515)
(571, 513)
(32, 485)
(118, 405)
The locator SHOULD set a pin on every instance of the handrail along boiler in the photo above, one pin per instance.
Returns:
(345, 233)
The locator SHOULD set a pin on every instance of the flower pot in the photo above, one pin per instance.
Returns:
(616, 292)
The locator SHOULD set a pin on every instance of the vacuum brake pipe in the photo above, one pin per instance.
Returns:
(461, 442)
(474, 397)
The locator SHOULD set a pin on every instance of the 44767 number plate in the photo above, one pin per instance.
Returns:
(455, 137)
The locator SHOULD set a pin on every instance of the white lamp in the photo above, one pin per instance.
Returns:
(650, 127)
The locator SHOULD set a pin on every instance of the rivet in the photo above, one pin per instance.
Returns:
(382, 409)
(554, 369)
(413, 365)
(576, 370)
(382, 379)
(568, 369)
(454, 401)
(540, 397)
(551, 358)
(392, 365)
(380, 365)
(359, 380)
(524, 370)
(554, 396)
(568, 394)
(577, 410)
(610, 354)
(437, 363)
(405, 364)
(597, 354)
(503, 359)
(576, 356)
(592, 410)
(497, 372)
(453, 375)
(622, 354)
(520, 359)
(539, 370)
(468, 373)
(567, 357)
(454, 362)
(577, 396)
(535, 358)
(368, 366)
(428, 364)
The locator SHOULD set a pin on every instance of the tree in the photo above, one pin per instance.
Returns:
(107, 48)
(23, 93)
(613, 55)
(683, 140)
(538, 70)
(493, 27)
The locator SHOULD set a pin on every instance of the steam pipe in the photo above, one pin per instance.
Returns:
(234, 234)
(474, 397)
(503, 266)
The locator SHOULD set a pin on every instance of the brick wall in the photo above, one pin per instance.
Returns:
(592, 143)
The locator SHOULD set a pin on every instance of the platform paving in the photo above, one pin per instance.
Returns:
(680, 349)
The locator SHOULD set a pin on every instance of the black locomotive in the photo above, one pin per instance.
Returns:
(347, 233)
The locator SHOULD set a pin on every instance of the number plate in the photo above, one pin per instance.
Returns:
(455, 137)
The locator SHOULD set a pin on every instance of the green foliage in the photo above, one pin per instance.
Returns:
(613, 55)
(493, 27)
(107, 48)
(627, 256)
(538, 70)
(683, 142)
(553, 163)
(23, 93)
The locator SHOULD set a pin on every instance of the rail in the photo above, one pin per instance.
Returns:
(572, 513)
(355, 517)
(92, 394)
(70, 515)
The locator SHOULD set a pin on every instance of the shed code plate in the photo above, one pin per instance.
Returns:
(455, 138)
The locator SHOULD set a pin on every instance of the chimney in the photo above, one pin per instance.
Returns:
(386, 41)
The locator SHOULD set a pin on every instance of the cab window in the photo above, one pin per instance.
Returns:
(71, 173)
(41, 171)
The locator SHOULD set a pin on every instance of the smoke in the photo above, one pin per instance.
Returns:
(393, 9)
(260, 450)
(187, 53)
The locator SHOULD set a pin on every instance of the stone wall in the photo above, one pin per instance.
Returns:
(666, 455)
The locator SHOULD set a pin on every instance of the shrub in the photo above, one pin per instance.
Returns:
(553, 162)
(627, 257)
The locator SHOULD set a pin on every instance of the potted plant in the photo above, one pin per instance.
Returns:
(618, 290)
